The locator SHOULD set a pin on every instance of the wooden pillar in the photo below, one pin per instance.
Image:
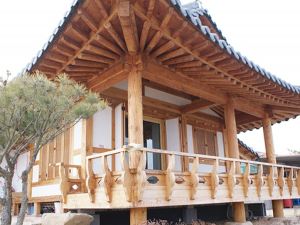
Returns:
(135, 108)
(138, 216)
(238, 208)
(135, 127)
(271, 158)
(37, 208)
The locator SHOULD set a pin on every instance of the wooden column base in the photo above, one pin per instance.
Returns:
(238, 212)
(277, 208)
(138, 216)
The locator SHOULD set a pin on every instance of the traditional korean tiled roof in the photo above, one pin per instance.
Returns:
(193, 13)
(249, 149)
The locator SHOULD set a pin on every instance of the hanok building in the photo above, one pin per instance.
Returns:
(179, 94)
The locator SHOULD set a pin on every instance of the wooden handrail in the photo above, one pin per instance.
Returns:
(275, 175)
(112, 152)
(191, 155)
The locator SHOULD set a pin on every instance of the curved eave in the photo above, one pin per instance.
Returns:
(192, 13)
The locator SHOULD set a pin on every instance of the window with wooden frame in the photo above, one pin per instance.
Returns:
(205, 142)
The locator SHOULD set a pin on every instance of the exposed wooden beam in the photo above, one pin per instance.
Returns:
(122, 95)
(108, 78)
(128, 24)
(162, 75)
(286, 109)
(197, 105)
(249, 107)
(168, 90)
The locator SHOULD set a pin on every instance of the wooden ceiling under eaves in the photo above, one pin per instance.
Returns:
(95, 38)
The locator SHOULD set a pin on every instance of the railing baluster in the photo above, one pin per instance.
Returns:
(90, 180)
(246, 180)
(107, 178)
(194, 177)
(126, 177)
(281, 180)
(170, 176)
(64, 186)
(290, 181)
(271, 180)
(298, 181)
(214, 179)
(231, 179)
(259, 180)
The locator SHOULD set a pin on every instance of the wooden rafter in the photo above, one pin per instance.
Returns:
(128, 23)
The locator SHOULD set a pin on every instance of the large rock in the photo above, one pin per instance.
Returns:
(66, 219)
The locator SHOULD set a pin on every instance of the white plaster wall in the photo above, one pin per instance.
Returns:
(166, 97)
(220, 142)
(20, 167)
(209, 112)
(77, 135)
(173, 139)
(190, 141)
(102, 123)
(35, 173)
(118, 134)
(46, 190)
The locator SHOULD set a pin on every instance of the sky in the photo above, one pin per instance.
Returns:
(267, 32)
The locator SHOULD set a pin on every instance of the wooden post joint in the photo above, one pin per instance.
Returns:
(134, 172)
(134, 62)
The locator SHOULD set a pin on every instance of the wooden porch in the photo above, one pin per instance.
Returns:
(243, 180)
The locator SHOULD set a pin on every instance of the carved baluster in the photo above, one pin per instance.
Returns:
(259, 180)
(246, 180)
(298, 181)
(194, 177)
(141, 176)
(170, 176)
(214, 179)
(290, 181)
(90, 180)
(231, 179)
(107, 178)
(64, 186)
(281, 181)
(271, 180)
(126, 177)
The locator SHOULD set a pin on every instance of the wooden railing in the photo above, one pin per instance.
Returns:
(70, 179)
(237, 173)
